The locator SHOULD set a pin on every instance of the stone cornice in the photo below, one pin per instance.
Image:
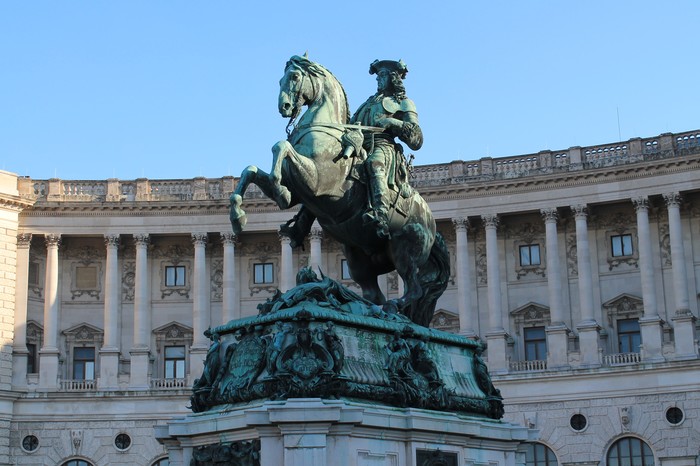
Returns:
(15, 203)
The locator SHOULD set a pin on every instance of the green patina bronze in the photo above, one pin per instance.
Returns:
(351, 175)
(320, 339)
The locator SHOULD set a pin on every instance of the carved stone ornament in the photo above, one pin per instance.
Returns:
(128, 280)
(530, 315)
(665, 245)
(436, 458)
(624, 306)
(243, 453)
(571, 255)
(217, 280)
(481, 265)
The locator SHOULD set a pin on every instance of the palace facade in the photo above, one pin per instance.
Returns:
(579, 268)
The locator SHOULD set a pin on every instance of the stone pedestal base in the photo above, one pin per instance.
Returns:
(497, 343)
(684, 333)
(652, 338)
(48, 369)
(589, 346)
(557, 347)
(139, 369)
(315, 432)
(109, 369)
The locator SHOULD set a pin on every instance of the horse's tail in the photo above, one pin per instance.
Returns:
(434, 277)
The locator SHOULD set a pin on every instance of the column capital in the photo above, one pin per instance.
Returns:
(641, 204)
(228, 238)
(24, 240)
(142, 239)
(284, 239)
(550, 215)
(460, 223)
(673, 199)
(199, 239)
(490, 220)
(52, 240)
(316, 234)
(580, 210)
(112, 240)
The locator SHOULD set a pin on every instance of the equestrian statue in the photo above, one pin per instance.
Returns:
(351, 175)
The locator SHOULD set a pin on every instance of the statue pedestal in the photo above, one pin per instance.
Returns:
(316, 432)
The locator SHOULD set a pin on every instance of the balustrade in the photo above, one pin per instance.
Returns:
(68, 385)
(528, 366)
(622, 359)
(160, 384)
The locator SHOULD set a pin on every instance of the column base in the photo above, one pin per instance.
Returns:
(589, 344)
(685, 336)
(19, 368)
(48, 369)
(557, 346)
(652, 339)
(139, 369)
(496, 343)
(109, 369)
(197, 356)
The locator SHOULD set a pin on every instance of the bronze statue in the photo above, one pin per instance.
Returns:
(369, 207)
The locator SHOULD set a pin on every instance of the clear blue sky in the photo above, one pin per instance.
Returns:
(178, 89)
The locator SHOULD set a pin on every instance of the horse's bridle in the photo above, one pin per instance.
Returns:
(299, 101)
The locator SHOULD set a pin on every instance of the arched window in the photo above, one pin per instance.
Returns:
(162, 462)
(540, 455)
(628, 451)
(76, 463)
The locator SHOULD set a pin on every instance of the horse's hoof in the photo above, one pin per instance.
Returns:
(238, 216)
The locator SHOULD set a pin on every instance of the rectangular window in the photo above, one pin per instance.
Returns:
(86, 278)
(621, 245)
(529, 255)
(175, 275)
(33, 277)
(535, 344)
(628, 335)
(344, 270)
(263, 273)
(31, 359)
(84, 363)
(174, 362)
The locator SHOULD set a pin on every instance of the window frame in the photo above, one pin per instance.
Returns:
(550, 458)
(530, 248)
(627, 334)
(182, 359)
(643, 447)
(264, 267)
(540, 343)
(176, 268)
(623, 245)
(75, 362)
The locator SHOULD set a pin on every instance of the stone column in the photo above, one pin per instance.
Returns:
(651, 323)
(467, 317)
(683, 320)
(20, 353)
(200, 307)
(48, 355)
(315, 258)
(286, 280)
(496, 336)
(142, 317)
(557, 332)
(588, 328)
(109, 353)
(231, 304)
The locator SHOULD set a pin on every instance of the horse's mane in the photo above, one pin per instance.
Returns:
(318, 71)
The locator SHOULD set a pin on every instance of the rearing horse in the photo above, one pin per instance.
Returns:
(309, 168)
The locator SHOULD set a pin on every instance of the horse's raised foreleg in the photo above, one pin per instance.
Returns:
(304, 167)
(254, 175)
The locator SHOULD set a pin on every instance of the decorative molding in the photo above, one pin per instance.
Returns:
(111, 241)
(580, 210)
(490, 220)
(531, 315)
(673, 199)
(460, 223)
(623, 306)
(641, 203)
(199, 239)
(24, 240)
(550, 214)
(445, 320)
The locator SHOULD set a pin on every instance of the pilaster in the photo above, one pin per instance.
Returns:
(19, 345)
(48, 355)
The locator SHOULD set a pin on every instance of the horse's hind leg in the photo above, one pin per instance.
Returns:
(364, 274)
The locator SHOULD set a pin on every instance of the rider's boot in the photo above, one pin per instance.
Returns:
(298, 227)
(378, 215)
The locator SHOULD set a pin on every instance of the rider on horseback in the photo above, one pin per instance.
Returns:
(391, 110)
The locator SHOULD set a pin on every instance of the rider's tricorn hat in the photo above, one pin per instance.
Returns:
(390, 65)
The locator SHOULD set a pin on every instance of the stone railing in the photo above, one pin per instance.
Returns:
(161, 384)
(67, 385)
(528, 366)
(635, 150)
(621, 359)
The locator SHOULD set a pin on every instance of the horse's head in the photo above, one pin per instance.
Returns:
(303, 83)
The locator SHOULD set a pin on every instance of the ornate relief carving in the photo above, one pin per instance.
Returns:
(528, 234)
(175, 253)
(481, 272)
(618, 222)
(665, 245)
(445, 321)
(624, 306)
(571, 254)
(217, 280)
(128, 280)
(85, 255)
(261, 250)
(531, 314)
